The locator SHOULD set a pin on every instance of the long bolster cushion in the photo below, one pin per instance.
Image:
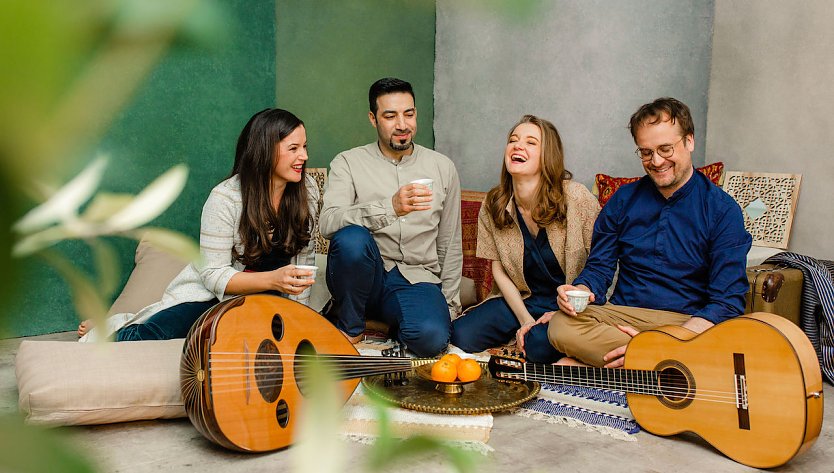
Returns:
(70, 383)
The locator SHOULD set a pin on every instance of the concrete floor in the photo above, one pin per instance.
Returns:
(521, 445)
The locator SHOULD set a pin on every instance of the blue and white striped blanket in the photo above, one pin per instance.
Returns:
(817, 307)
(599, 410)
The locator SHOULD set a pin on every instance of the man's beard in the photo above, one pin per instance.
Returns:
(399, 147)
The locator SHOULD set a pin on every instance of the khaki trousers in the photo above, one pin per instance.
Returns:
(593, 332)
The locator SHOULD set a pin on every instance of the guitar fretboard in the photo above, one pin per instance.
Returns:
(633, 381)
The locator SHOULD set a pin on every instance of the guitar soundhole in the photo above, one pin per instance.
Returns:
(277, 327)
(269, 371)
(304, 354)
(675, 384)
(282, 413)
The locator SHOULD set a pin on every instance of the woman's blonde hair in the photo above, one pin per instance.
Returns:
(550, 203)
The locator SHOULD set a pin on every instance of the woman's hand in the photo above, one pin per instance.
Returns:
(522, 331)
(291, 280)
(562, 298)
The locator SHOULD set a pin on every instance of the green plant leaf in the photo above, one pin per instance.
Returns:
(388, 449)
(173, 242)
(319, 422)
(40, 240)
(104, 205)
(28, 449)
(65, 203)
(89, 304)
(107, 266)
(152, 201)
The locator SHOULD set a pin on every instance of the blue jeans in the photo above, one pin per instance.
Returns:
(493, 324)
(167, 324)
(361, 288)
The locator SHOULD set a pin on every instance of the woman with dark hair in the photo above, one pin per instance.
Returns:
(536, 227)
(257, 225)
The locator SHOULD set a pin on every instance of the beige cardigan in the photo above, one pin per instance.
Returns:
(571, 242)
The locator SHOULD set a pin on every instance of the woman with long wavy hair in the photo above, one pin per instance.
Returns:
(257, 225)
(535, 227)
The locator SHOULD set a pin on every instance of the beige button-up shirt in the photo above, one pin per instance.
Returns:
(425, 245)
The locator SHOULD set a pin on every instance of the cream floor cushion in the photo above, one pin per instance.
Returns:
(70, 383)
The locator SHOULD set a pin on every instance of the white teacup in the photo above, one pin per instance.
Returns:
(307, 267)
(426, 182)
(578, 299)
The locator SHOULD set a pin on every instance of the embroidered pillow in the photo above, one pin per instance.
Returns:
(605, 185)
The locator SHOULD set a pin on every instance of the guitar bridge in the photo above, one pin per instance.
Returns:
(741, 391)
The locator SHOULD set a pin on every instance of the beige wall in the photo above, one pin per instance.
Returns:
(771, 103)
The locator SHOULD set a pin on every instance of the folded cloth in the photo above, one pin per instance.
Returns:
(817, 307)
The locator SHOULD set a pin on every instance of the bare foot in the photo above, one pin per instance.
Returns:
(356, 339)
(85, 327)
(568, 361)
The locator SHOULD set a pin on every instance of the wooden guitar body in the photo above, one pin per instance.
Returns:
(750, 386)
(240, 375)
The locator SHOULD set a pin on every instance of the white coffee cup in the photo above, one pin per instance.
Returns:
(578, 299)
(307, 267)
(426, 182)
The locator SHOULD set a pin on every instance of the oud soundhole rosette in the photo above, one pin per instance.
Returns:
(282, 413)
(269, 371)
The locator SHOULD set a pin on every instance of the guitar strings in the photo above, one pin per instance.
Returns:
(368, 366)
(597, 382)
(267, 382)
(648, 389)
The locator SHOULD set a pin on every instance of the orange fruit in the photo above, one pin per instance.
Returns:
(469, 370)
(453, 357)
(444, 371)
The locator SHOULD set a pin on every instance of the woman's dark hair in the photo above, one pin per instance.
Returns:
(551, 203)
(255, 156)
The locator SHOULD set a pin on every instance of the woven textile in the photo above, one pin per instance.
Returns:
(816, 312)
(597, 410)
(477, 269)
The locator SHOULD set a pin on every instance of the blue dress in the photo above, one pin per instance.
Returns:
(493, 323)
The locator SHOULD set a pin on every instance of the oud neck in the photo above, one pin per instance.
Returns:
(357, 366)
(632, 381)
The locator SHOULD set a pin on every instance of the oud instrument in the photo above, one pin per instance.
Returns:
(245, 365)
(750, 386)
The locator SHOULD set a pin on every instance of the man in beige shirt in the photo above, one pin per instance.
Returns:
(395, 245)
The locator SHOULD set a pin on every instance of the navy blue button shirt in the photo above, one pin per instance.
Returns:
(687, 254)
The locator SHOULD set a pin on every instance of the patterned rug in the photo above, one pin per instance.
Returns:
(596, 410)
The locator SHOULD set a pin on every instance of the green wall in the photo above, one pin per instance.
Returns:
(316, 58)
(190, 110)
(330, 52)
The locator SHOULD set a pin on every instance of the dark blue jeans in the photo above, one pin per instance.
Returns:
(362, 289)
(493, 324)
(173, 322)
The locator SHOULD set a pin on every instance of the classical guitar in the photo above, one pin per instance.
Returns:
(750, 386)
(244, 365)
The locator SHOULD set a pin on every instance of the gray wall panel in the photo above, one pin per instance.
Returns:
(585, 65)
(771, 101)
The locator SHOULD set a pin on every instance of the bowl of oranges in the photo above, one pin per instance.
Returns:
(451, 373)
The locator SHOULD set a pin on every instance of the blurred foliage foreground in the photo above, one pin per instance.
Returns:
(68, 67)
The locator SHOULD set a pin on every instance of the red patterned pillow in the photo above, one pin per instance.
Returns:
(606, 185)
(477, 269)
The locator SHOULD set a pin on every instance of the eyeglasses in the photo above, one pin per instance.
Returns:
(664, 151)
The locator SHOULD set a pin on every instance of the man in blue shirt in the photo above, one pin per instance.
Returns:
(679, 241)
